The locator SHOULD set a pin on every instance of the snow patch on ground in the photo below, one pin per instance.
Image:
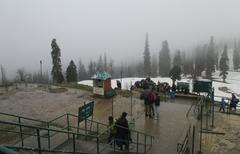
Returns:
(233, 83)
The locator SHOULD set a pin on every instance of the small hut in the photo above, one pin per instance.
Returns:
(102, 83)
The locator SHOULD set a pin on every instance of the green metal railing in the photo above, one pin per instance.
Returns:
(67, 125)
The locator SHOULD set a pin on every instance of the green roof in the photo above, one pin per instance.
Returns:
(101, 75)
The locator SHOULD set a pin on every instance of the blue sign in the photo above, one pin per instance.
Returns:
(85, 111)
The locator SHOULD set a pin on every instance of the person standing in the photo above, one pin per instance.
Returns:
(144, 96)
(123, 135)
(234, 101)
(157, 105)
(112, 129)
(151, 100)
(222, 105)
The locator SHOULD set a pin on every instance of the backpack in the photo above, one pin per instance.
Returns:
(144, 95)
(151, 97)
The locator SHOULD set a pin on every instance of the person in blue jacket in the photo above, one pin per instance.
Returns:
(222, 105)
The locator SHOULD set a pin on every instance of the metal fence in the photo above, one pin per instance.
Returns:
(65, 135)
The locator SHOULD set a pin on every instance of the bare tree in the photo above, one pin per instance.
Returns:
(3, 75)
(21, 74)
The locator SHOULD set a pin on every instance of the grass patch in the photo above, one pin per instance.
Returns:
(124, 93)
(77, 86)
(57, 90)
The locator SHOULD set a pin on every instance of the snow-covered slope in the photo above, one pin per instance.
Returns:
(232, 85)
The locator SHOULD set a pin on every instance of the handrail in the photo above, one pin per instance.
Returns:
(57, 118)
(27, 134)
(107, 125)
(22, 117)
(48, 129)
(42, 128)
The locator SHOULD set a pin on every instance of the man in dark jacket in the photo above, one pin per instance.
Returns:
(123, 133)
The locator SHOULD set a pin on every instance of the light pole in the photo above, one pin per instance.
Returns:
(40, 70)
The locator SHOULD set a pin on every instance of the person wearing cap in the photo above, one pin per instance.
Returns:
(123, 133)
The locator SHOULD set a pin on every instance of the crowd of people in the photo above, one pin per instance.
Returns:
(119, 132)
(233, 103)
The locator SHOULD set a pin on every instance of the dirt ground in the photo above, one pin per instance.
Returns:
(39, 103)
(229, 143)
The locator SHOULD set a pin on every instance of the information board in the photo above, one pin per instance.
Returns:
(85, 111)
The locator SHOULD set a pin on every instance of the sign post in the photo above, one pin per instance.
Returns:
(85, 112)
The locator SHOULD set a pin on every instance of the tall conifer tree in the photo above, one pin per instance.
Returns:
(71, 73)
(146, 58)
(224, 64)
(56, 61)
(164, 60)
(82, 73)
(210, 61)
(236, 57)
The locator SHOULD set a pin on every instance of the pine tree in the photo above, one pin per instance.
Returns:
(224, 67)
(100, 65)
(105, 66)
(71, 73)
(154, 66)
(200, 54)
(236, 57)
(164, 60)
(146, 58)
(175, 74)
(210, 61)
(177, 59)
(82, 73)
(111, 65)
(91, 68)
(184, 63)
(3, 74)
(216, 58)
(56, 61)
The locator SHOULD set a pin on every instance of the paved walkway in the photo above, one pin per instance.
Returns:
(169, 128)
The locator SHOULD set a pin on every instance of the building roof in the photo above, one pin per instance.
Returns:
(101, 75)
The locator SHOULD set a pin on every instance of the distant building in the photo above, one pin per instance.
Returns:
(102, 83)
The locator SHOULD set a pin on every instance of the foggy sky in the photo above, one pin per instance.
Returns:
(87, 28)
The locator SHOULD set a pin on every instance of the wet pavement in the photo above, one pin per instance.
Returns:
(169, 128)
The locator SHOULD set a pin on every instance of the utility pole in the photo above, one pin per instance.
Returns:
(40, 70)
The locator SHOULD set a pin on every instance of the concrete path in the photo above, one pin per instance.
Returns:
(169, 128)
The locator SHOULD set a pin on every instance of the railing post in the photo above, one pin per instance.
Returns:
(74, 142)
(39, 142)
(193, 138)
(20, 128)
(114, 144)
(145, 142)
(98, 151)
(212, 99)
(97, 128)
(137, 140)
(68, 125)
(206, 107)
(49, 148)
(201, 129)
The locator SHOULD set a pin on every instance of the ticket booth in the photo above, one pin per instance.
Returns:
(101, 83)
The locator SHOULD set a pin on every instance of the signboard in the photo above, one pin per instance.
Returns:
(85, 111)
(98, 90)
(202, 86)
